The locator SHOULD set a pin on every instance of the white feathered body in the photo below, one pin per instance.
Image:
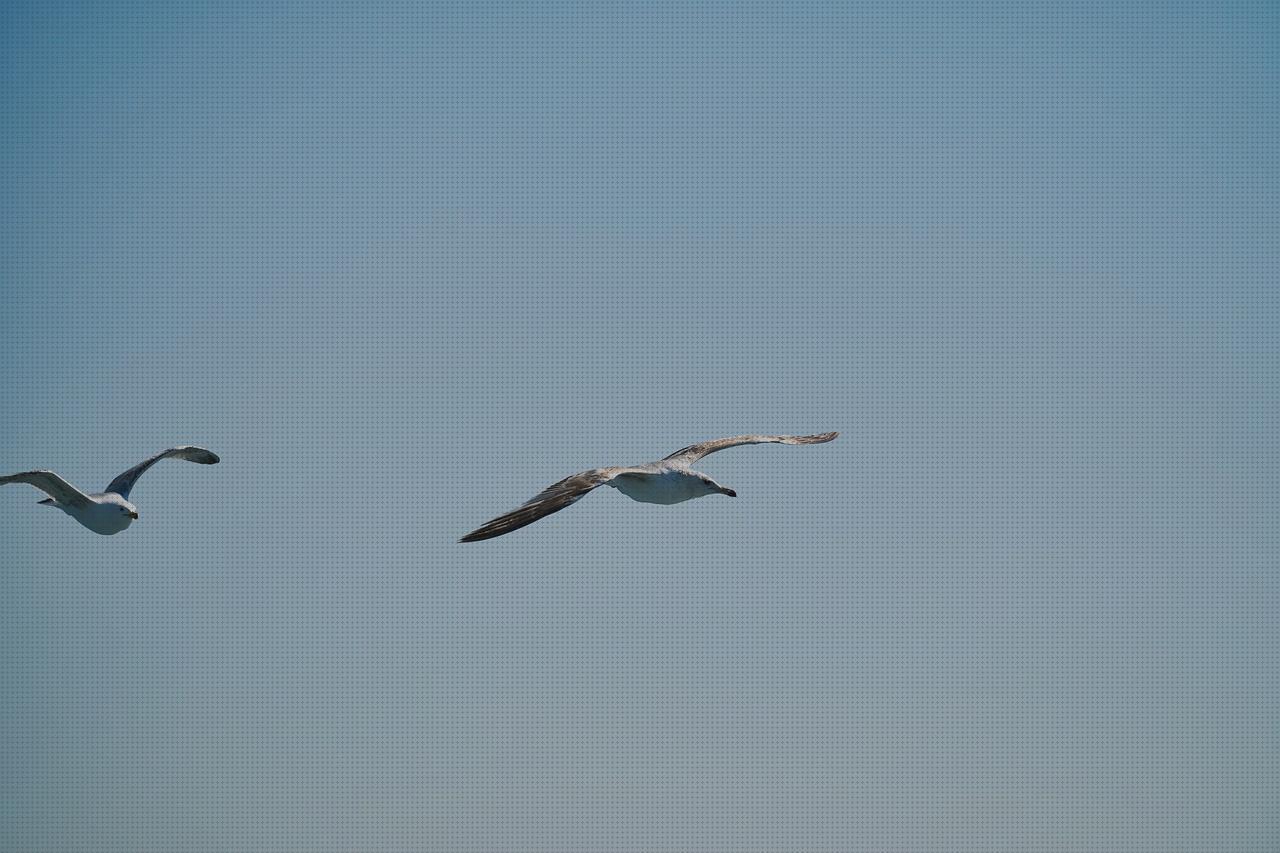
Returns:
(106, 514)
(666, 485)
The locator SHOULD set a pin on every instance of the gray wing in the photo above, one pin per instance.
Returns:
(694, 452)
(123, 484)
(551, 499)
(52, 485)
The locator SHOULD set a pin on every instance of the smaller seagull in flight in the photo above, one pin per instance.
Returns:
(109, 511)
(667, 481)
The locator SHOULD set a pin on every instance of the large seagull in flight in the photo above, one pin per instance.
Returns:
(667, 481)
(109, 511)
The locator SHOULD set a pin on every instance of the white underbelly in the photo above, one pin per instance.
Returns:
(659, 488)
(100, 519)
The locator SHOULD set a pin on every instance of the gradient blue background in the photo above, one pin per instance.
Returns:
(403, 266)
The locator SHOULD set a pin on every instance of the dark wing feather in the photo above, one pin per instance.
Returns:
(551, 499)
(123, 484)
(694, 452)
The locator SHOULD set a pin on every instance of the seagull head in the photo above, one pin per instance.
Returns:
(121, 506)
(714, 488)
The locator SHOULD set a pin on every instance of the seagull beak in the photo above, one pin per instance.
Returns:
(134, 516)
(731, 493)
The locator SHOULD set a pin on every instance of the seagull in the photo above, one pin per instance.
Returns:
(109, 511)
(668, 481)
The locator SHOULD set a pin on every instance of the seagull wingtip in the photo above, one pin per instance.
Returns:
(192, 453)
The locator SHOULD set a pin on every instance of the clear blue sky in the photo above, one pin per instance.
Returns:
(403, 266)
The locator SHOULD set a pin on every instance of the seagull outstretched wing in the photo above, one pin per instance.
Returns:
(123, 484)
(694, 452)
(553, 498)
(52, 485)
